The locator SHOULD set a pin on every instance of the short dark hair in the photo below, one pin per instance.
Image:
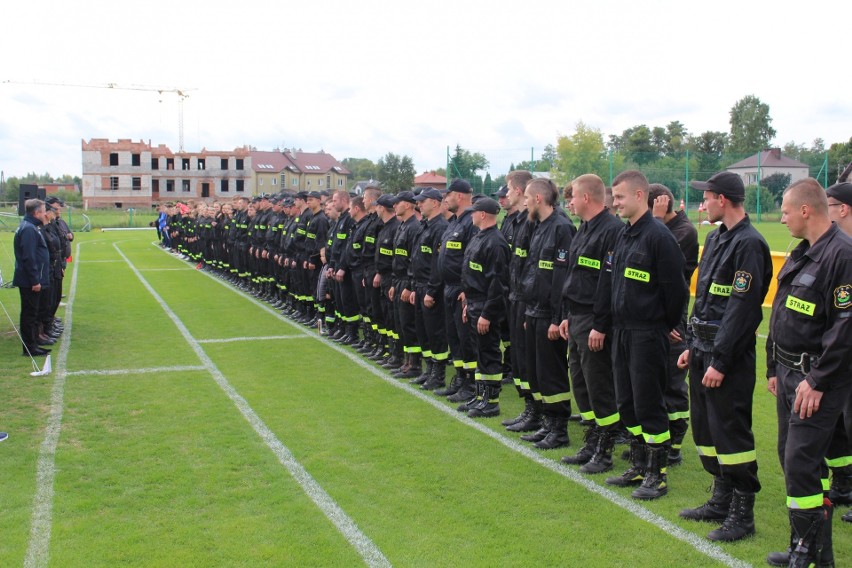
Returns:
(357, 202)
(546, 188)
(635, 178)
(33, 205)
(655, 190)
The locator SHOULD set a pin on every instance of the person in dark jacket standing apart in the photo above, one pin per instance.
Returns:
(485, 281)
(733, 279)
(809, 365)
(661, 202)
(648, 299)
(541, 290)
(32, 272)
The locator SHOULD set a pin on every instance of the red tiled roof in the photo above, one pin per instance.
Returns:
(304, 162)
(430, 178)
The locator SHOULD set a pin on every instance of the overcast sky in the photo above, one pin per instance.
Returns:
(360, 79)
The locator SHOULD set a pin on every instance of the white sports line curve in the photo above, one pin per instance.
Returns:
(365, 547)
(701, 545)
(143, 371)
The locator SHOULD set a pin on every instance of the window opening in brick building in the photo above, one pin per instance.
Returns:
(155, 186)
(113, 183)
(239, 163)
(137, 184)
(113, 159)
(170, 163)
(184, 184)
(240, 185)
(224, 163)
(135, 160)
(184, 164)
(155, 163)
(202, 164)
(170, 185)
(223, 186)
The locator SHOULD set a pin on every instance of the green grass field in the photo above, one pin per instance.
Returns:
(156, 442)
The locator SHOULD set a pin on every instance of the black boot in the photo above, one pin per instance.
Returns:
(740, 520)
(557, 436)
(601, 461)
(424, 376)
(655, 484)
(528, 407)
(402, 369)
(841, 485)
(414, 367)
(636, 472)
(455, 384)
(539, 434)
(806, 532)
(466, 391)
(717, 507)
(590, 441)
(474, 399)
(678, 429)
(531, 423)
(490, 405)
(438, 378)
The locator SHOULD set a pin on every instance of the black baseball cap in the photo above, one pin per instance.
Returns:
(460, 186)
(502, 192)
(315, 194)
(405, 196)
(728, 184)
(486, 204)
(302, 195)
(386, 200)
(429, 193)
(842, 192)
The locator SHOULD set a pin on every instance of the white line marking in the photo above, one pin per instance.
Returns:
(700, 544)
(38, 547)
(146, 371)
(163, 269)
(366, 548)
(262, 338)
(96, 261)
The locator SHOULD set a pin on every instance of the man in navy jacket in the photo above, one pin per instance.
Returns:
(32, 272)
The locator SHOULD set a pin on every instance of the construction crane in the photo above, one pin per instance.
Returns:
(181, 93)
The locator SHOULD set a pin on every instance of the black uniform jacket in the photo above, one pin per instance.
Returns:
(586, 290)
(403, 247)
(453, 243)
(812, 311)
(424, 260)
(733, 278)
(485, 273)
(546, 267)
(384, 246)
(648, 289)
(522, 227)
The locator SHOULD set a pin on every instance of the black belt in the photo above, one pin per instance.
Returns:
(704, 330)
(794, 361)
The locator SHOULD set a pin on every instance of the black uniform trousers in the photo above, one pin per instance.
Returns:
(29, 317)
(547, 368)
(462, 347)
(387, 308)
(640, 365)
(591, 373)
(431, 330)
(677, 393)
(489, 358)
(722, 419)
(518, 352)
(803, 444)
(377, 314)
(405, 326)
(345, 299)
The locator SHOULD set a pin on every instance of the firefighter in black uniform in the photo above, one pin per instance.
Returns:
(661, 203)
(351, 263)
(459, 231)
(346, 303)
(733, 279)
(316, 234)
(529, 420)
(648, 299)
(587, 323)
(298, 248)
(541, 289)
(371, 311)
(507, 227)
(429, 318)
(383, 280)
(809, 364)
(403, 286)
(485, 281)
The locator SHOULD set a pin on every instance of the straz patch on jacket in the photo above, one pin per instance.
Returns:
(635, 274)
(843, 296)
(742, 281)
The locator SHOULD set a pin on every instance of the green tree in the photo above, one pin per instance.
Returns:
(767, 202)
(751, 126)
(776, 184)
(361, 168)
(708, 148)
(638, 145)
(465, 164)
(677, 138)
(839, 155)
(582, 152)
(396, 173)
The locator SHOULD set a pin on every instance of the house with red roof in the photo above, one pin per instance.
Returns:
(770, 161)
(293, 170)
(430, 179)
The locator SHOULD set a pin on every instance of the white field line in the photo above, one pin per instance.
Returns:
(368, 550)
(96, 261)
(164, 269)
(700, 544)
(38, 547)
(145, 371)
(261, 338)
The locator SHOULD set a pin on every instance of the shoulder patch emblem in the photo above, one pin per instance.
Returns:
(843, 296)
(742, 281)
(562, 255)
